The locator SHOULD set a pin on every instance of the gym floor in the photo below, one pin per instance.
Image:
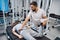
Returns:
(54, 32)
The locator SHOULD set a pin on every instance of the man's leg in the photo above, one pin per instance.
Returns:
(27, 35)
(36, 34)
(40, 30)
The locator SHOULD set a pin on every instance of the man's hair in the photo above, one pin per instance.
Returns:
(34, 3)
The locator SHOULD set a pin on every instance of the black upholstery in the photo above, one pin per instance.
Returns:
(57, 38)
(55, 16)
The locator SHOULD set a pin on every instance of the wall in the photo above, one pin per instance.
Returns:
(55, 7)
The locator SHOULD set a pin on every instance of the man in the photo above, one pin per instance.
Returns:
(37, 16)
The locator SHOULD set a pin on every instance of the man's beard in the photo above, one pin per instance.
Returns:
(34, 10)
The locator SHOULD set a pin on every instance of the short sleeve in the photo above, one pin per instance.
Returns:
(42, 20)
(43, 13)
(29, 14)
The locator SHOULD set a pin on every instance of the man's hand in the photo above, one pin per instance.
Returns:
(28, 27)
(20, 36)
(44, 23)
(45, 20)
(24, 23)
(20, 29)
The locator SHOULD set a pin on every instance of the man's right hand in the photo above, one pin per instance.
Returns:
(24, 23)
(20, 29)
(20, 36)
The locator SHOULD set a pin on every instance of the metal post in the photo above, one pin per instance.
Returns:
(27, 7)
(43, 4)
(19, 8)
(16, 4)
(12, 4)
(49, 13)
(3, 6)
(47, 3)
(39, 3)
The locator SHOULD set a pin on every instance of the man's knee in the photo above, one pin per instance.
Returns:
(26, 35)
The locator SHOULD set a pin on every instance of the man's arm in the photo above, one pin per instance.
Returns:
(24, 23)
(45, 20)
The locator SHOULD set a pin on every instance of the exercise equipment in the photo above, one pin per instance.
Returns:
(57, 17)
(4, 8)
(21, 7)
(11, 36)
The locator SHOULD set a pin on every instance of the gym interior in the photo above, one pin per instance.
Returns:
(13, 10)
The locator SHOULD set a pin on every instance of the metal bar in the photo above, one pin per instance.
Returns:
(16, 4)
(3, 6)
(39, 3)
(12, 4)
(43, 4)
(47, 3)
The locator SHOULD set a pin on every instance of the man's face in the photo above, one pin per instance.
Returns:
(33, 8)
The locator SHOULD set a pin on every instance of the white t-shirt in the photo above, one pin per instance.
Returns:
(36, 17)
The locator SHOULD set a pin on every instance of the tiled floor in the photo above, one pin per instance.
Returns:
(3, 38)
(53, 33)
